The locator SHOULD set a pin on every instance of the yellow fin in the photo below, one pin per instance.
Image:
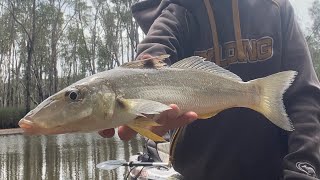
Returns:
(147, 133)
(208, 115)
(144, 122)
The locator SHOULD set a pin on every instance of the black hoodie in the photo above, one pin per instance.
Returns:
(253, 39)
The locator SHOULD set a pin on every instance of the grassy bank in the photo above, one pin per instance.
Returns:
(10, 116)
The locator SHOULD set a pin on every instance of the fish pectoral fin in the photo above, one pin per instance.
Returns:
(142, 107)
(139, 125)
(208, 115)
(147, 133)
(144, 122)
(156, 62)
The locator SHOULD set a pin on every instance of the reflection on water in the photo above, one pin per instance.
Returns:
(71, 156)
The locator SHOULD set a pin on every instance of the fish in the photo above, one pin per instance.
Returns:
(135, 93)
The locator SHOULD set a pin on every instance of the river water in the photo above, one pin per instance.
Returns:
(70, 156)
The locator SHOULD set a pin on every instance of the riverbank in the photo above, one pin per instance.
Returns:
(10, 131)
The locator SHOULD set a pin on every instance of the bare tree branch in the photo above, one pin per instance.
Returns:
(15, 18)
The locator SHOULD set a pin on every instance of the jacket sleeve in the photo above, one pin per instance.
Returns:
(169, 34)
(303, 103)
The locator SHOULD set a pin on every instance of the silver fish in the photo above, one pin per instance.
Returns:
(136, 92)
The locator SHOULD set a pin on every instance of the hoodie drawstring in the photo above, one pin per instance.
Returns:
(214, 32)
(237, 30)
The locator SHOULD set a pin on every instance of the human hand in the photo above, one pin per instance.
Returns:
(169, 120)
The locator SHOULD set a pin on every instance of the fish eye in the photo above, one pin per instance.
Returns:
(73, 95)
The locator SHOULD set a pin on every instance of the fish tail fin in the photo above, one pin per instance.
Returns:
(271, 103)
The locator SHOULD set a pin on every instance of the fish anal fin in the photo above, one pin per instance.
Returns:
(147, 133)
(208, 115)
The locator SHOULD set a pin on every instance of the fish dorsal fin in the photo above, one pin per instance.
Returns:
(199, 63)
(156, 62)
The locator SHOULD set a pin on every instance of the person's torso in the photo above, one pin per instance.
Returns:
(238, 143)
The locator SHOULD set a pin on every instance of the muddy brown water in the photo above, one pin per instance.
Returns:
(69, 156)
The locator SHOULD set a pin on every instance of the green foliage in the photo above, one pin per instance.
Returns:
(10, 116)
(6, 33)
(315, 54)
(313, 39)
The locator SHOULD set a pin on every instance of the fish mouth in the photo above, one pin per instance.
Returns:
(29, 127)
(25, 124)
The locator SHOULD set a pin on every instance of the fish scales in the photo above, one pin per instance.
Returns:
(132, 94)
(189, 89)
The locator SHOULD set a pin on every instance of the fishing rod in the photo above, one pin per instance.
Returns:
(114, 164)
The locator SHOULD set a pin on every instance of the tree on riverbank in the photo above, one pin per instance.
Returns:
(47, 45)
(313, 38)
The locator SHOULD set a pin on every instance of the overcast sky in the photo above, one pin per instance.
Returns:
(301, 8)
